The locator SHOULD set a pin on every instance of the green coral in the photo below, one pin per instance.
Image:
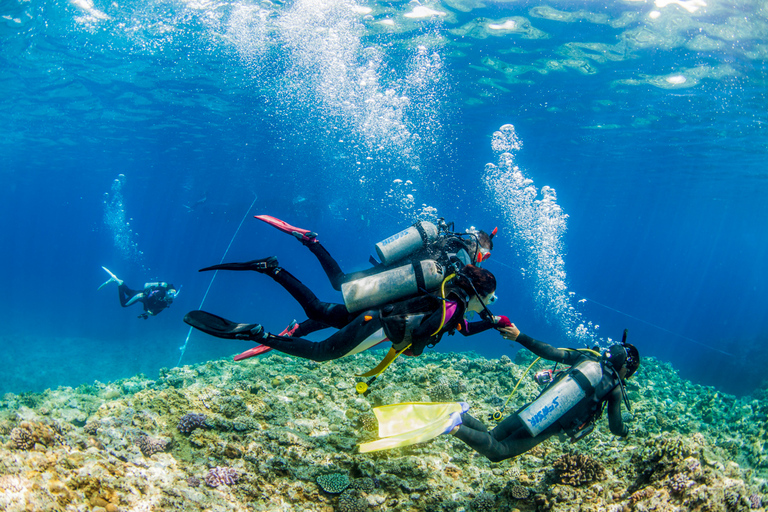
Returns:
(333, 483)
(441, 391)
(352, 500)
(485, 502)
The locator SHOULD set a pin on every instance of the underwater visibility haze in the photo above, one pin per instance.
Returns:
(619, 147)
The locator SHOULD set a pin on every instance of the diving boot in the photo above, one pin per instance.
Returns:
(223, 328)
(310, 237)
(291, 329)
(262, 266)
(304, 236)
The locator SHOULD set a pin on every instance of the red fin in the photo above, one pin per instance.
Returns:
(281, 224)
(255, 351)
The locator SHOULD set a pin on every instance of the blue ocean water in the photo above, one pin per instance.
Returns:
(620, 148)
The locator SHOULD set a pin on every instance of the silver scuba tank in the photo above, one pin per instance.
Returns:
(391, 285)
(559, 399)
(406, 242)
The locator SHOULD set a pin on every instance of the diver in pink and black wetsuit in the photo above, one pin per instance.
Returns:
(416, 322)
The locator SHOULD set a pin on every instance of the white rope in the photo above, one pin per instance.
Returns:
(183, 348)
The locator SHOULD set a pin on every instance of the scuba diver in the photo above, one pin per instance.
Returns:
(422, 240)
(396, 275)
(571, 403)
(410, 324)
(155, 297)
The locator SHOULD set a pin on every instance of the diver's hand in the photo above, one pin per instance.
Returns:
(501, 321)
(510, 333)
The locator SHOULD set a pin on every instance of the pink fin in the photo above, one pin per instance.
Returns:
(281, 224)
(255, 351)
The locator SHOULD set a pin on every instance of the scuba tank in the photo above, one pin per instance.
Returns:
(406, 242)
(391, 285)
(554, 402)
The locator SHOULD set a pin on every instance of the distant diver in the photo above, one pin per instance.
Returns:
(411, 262)
(570, 404)
(155, 297)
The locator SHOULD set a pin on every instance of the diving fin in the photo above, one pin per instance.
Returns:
(223, 328)
(413, 422)
(261, 265)
(285, 227)
(112, 279)
(253, 352)
(261, 349)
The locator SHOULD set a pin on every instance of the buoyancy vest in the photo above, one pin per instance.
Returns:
(401, 318)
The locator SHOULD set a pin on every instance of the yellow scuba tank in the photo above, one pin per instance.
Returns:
(408, 241)
(391, 285)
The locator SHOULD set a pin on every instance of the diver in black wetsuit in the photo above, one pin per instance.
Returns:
(475, 251)
(514, 436)
(155, 297)
(469, 248)
(414, 323)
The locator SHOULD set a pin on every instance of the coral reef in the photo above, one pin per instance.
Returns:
(277, 433)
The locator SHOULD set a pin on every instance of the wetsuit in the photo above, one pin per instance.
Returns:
(154, 298)
(511, 438)
(415, 321)
(438, 251)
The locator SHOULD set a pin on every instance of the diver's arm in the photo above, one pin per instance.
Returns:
(616, 424)
(472, 328)
(547, 351)
(541, 349)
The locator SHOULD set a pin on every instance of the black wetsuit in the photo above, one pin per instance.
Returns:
(510, 437)
(438, 251)
(412, 321)
(155, 298)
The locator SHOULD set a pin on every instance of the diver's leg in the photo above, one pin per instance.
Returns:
(335, 275)
(473, 423)
(341, 343)
(308, 327)
(330, 314)
(518, 440)
(126, 295)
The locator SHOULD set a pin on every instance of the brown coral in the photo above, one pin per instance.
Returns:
(578, 469)
(150, 446)
(27, 434)
(22, 438)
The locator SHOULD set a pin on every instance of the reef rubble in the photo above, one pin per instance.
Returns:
(278, 433)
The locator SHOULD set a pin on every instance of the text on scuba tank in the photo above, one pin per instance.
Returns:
(544, 412)
(394, 237)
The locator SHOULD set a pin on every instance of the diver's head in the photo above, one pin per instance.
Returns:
(171, 292)
(480, 245)
(479, 284)
(623, 356)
